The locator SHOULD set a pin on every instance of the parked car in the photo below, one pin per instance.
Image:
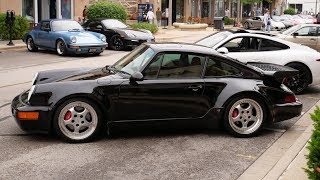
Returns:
(287, 23)
(249, 47)
(299, 19)
(164, 82)
(258, 23)
(65, 37)
(290, 18)
(305, 34)
(308, 19)
(119, 35)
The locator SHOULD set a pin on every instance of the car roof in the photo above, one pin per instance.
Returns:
(182, 47)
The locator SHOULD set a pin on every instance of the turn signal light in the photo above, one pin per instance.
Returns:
(290, 99)
(28, 115)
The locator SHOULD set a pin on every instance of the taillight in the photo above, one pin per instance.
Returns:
(290, 99)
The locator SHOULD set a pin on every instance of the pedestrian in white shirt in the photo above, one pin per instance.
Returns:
(150, 16)
(267, 21)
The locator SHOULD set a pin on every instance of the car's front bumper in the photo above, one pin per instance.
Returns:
(86, 49)
(287, 111)
(39, 125)
(136, 42)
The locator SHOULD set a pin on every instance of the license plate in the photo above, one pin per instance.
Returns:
(92, 50)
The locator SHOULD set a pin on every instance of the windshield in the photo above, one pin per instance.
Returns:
(291, 30)
(65, 25)
(111, 23)
(135, 60)
(214, 39)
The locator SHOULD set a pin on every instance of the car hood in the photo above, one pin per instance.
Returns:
(135, 33)
(75, 74)
(81, 36)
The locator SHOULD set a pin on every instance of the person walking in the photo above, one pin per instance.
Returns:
(267, 21)
(227, 13)
(318, 18)
(84, 13)
(159, 17)
(258, 12)
(150, 16)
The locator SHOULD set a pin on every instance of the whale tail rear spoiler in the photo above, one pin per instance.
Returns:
(274, 73)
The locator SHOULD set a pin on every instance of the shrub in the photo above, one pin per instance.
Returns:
(228, 21)
(290, 11)
(314, 148)
(107, 10)
(20, 27)
(151, 27)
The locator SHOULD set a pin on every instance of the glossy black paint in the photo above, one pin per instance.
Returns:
(138, 36)
(197, 99)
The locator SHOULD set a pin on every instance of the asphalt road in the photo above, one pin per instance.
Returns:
(134, 152)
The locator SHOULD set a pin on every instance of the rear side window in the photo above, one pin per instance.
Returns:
(269, 45)
(216, 67)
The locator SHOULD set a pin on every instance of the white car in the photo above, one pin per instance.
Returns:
(250, 47)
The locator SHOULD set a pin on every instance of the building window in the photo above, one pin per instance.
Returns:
(66, 9)
(27, 10)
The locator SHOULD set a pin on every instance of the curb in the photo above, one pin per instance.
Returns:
(19, 46)
(277, 158)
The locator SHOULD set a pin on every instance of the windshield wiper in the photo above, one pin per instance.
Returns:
(112, 68)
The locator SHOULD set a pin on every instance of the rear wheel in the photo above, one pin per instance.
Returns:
(116, 43)
(246, 25)
(244, 116)
(61, 48)
(300, 82)
(78, 120)
(30, 45)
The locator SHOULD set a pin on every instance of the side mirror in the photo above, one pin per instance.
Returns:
(223, 50)
(137, 76)
(295, 34)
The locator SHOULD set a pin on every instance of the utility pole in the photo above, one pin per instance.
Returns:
(170, 15)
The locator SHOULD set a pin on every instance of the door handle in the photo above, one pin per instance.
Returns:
(313, 39)
(195, 87)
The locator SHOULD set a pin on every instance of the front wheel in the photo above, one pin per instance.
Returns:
(244, 116)
(30, 45)
(61, 48)
(300, 82)
(78, 120)
(116, 43)
(246, 25)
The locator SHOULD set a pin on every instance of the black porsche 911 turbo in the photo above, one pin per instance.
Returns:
(119, 35)
(157, 82)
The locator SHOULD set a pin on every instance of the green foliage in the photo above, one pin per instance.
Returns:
(290, 11)
(228, 21)
(20, 27)
(254, 1)
(107, 9)
(314, 148)
(151, 27)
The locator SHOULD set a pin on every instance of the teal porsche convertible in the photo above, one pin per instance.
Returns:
(64, 37)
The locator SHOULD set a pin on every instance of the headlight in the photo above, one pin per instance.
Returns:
(103, 38)
(130, 34)
(31, 91)
(73, 39)
(34, 79)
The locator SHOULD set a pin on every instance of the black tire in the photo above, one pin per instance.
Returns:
(116, 43)
(242, 122)
(90, 116)
(299, 83)
(61, 48)
(30, 45)
(246, 25)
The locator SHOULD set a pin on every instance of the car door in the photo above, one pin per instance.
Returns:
(273, 52)
(172, 89)
(306, 36)
(243, 48)
(43, 35)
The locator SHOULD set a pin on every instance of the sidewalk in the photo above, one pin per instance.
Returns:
(17, 44)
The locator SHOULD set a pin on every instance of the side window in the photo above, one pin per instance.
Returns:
(216, 67)
(175, 65)
(243, 44)
(269, 45)
(307, 31)
(45, 26)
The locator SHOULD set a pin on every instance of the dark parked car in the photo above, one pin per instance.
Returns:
(64, 37)
(157, 83)
(119, 35)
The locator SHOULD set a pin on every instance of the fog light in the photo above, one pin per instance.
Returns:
(74, 47)
(28, 115)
